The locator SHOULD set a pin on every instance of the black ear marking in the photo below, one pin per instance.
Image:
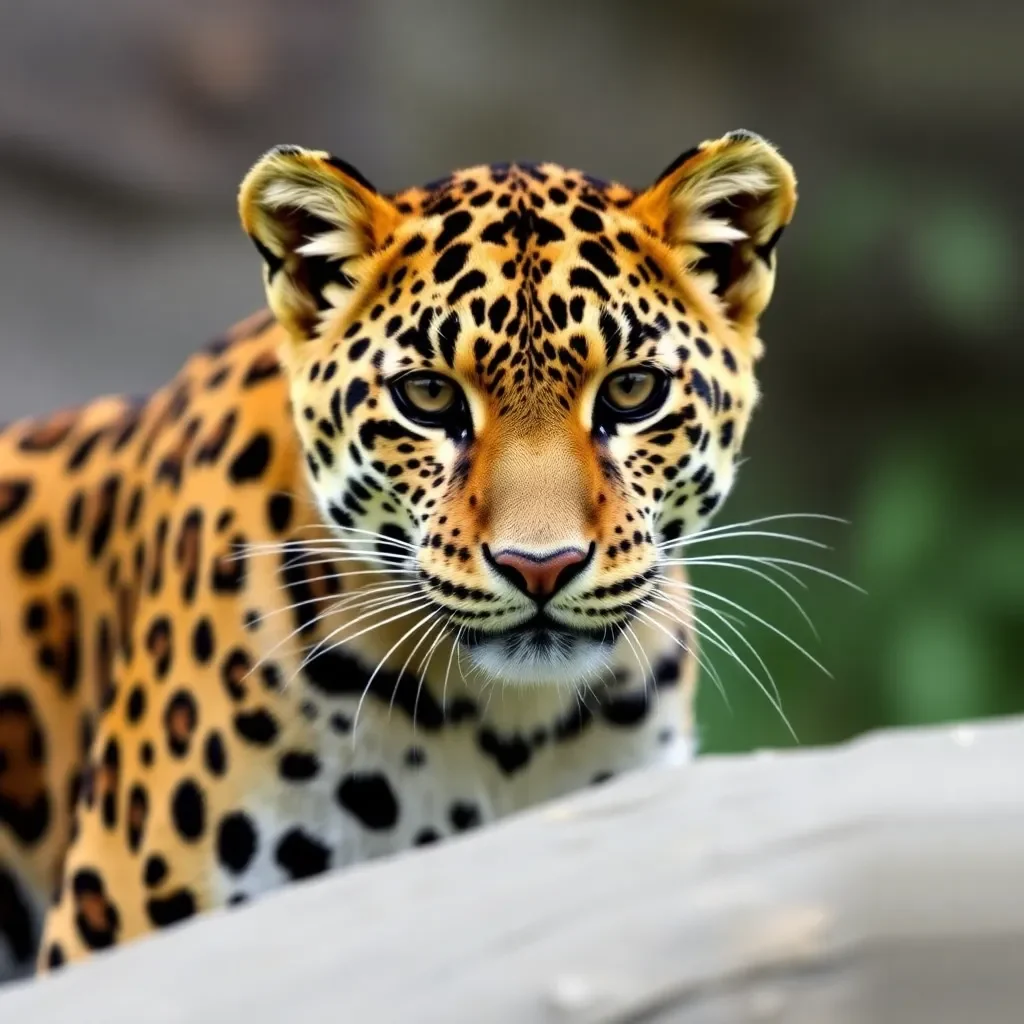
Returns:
(354, 173)
(688, 154)
(765, 251)
(274, 263)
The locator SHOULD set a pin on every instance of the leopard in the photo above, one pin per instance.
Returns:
(388, 561)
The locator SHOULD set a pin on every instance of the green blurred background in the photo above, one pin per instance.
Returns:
(893, 368)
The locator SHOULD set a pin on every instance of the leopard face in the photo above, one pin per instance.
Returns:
(514, 386)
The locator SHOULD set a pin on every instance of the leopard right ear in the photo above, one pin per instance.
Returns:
(315, 221)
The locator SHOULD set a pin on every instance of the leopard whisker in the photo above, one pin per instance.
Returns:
(756, 618)
(726, 564)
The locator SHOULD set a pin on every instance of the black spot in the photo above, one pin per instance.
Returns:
(188, 810)
(369, 797)
(298, 766)
(34, 557)
(279, 512)
(251, 462)
(259, 726)
(451, 227)
(450, 263)
(447, 336)
(414, 245)
(700, 387)
(138, 810)
(202, 641)
(469, 282)
(13, 495)
(511, 753)
(597, 256)
(426, 836)
(625, 709)
(464, 816)
(581, 277)
(214, 755)
(180, 716)
(415, 757)
(558, 311)
(301, 856)
(96, 919)
(236, 842)
(355, 394)
(155, 870)
(587, 220)
(171, 909)
(54, 956)
(611, 333)
(498, 312)
(136, 706)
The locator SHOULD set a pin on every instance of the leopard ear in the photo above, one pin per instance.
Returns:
(722, 207)
(315, 221)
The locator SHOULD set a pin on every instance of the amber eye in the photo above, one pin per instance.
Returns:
(633, 394)
(433, 400)
(429, 393)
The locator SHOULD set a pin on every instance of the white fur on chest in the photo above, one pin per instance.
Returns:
(389, 786)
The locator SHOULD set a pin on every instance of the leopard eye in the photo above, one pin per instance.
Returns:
(432, 400)
(633, 394)
(429, 393)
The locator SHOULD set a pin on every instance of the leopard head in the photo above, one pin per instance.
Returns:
(521, 381)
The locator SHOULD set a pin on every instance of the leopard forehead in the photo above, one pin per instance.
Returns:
(512, 276)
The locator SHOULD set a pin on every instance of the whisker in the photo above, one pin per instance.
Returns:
(723, 618)
(343, 603)
(760, 520)
(448, 670)
(691, 624)
(757, 618)
(773, 560)
(380, 664)
(700, 538)
(691, 652)
(388, 603)
(768, 579)
(405, 665)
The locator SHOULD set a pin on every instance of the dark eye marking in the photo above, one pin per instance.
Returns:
(611, 333)
(356, 393)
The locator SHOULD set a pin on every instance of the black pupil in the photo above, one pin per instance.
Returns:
(433, 387)
(630, 381)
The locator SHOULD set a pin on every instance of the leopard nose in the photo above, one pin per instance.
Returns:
(539, 575)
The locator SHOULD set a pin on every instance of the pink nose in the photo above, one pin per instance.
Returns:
(540, 576)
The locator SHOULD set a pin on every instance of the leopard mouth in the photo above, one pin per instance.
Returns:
(542, 649)
(543, 633)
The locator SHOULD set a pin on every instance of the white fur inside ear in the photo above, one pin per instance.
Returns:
(700, 193)
(338, 245)
(317, 197)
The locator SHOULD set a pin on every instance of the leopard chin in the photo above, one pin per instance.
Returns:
(542, 656)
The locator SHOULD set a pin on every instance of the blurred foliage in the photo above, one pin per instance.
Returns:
(937, 636)
(937, 536)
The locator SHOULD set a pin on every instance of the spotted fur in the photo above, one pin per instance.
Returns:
(193, 710)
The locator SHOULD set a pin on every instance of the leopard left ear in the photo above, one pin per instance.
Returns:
(314, 220)
(722, 207)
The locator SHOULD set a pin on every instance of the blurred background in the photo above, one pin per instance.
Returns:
(892, 382)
